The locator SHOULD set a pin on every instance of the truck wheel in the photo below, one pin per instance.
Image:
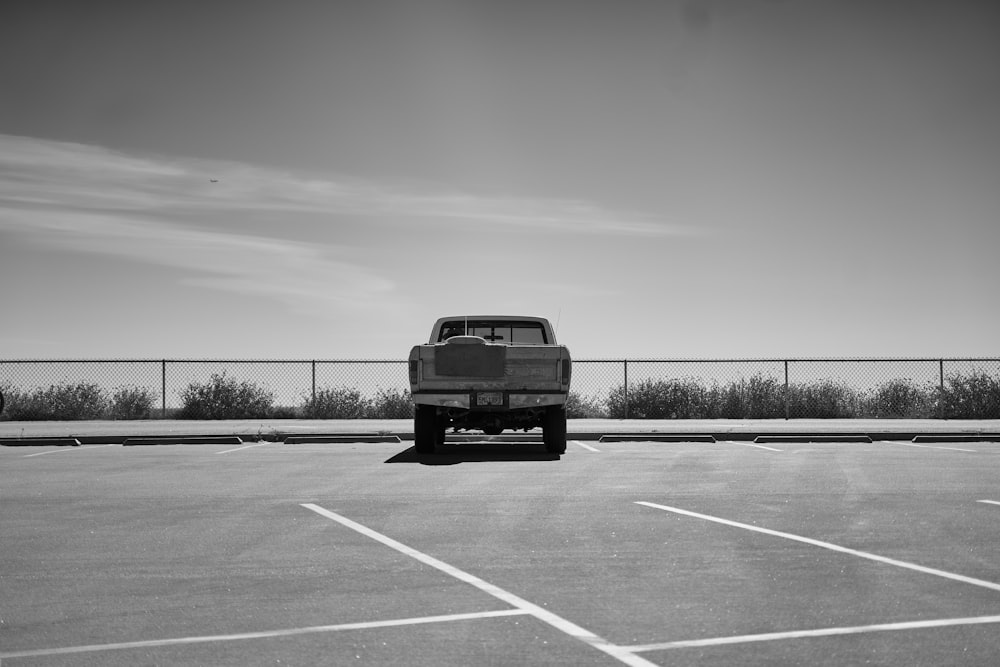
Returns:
(554, 430)
(425, 429)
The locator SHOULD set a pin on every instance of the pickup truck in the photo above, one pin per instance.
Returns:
(490, 373)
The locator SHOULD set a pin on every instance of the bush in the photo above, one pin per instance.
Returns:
(901, 399)
(348, 403)
(132, 403)
(824, 399)
(391, 404)
(975, 396)
(336, 403)
(58, 402)
(585, 407)
(24, 406)
(8, 396)
(968, 397)
(661, 399)
(756, 398)
(78, 401)
(225, 398)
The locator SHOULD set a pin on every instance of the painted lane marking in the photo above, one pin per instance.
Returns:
(65, 449)
(256, 444)
(911, 444)
(832, 547)
(989, 502)
(585, 445)
(288, 632)
(623, 655)
(51, 451)
(823, 632)
(749, 444)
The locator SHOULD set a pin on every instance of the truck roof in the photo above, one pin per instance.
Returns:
(504, 318)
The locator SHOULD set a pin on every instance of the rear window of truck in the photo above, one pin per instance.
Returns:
(505, 331)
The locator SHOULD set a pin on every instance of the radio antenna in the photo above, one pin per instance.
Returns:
(558, 317)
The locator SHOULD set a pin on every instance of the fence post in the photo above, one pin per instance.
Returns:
(941, 413)
(625, 363)
(787, 409)
(163, 389)
(314, 381)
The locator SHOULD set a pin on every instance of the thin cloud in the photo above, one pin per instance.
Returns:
(304, 276)
(66, 176)
(188, 215)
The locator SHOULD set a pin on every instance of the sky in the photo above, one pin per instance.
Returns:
(323, 180)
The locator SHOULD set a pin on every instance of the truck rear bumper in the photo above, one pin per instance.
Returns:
(513, 400)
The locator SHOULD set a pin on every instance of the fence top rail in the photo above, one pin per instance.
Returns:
(687, 360)
(202, 361)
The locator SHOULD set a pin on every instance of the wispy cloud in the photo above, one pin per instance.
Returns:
(189, 214)
(304, 276)
(81, 177)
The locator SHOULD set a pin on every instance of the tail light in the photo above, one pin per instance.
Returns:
(414, 363)
(565, 371)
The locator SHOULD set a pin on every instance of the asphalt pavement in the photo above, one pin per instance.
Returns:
(499, 553)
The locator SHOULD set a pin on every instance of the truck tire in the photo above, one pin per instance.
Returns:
(425, 429)
(554, 430)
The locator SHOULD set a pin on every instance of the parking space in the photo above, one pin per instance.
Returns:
(496, 552)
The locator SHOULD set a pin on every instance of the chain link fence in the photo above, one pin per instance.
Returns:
(602, 388)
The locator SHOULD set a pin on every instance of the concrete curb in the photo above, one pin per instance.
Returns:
(39, 442)
(943, 437)
(814, 437)
(335, 438)
(401, 436)
(397, 430)
(184, 440)
(653, 437)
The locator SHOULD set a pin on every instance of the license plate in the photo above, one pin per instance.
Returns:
(489, 398)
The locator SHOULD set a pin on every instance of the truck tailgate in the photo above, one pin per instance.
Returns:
(491, 367)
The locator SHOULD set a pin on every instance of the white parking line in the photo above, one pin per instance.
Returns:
(913, 444)
(822, 632)
(51, 451)
(989, 502)
(65, 449)
(257, 444)
(623, 655)
(585, 445)
(749, 444)
(832, 547)
(288, 632)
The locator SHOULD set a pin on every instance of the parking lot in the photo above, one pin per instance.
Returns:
(638, 553)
